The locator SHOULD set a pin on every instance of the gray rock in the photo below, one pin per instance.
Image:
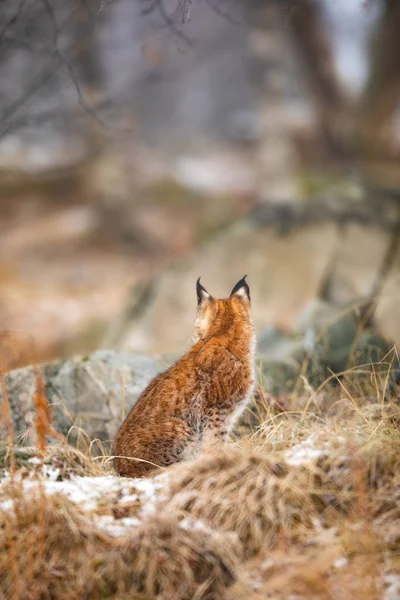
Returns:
(279, 376)
(329, 334)
(329, 340)
(388, 310)
(336, 340)
(369, 347)
(281, 356)
(275, 344)
(88, 394)
(357, 266)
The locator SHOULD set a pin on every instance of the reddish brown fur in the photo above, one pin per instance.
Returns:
(194, 403)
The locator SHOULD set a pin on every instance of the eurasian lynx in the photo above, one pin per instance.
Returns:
(195, 403)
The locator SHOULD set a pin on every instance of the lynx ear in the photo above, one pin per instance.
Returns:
(241, 289)
(202, 293)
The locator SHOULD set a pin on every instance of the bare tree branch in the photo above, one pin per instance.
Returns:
(218, 7)
(48, 71)
(175, 20)
(16, 106)
(82, 101)
(13, 19)
(181, 14)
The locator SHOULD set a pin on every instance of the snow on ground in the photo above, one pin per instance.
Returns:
(305, 451)
(129, 499)
(340, 563)
(116, 527)
(94, 493)
(314, 446)
(392, 587)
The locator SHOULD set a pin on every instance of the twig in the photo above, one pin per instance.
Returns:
(12, 19)
(91, 112)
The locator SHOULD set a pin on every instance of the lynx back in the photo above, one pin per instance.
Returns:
(196, 402)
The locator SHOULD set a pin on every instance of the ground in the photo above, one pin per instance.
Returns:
(306, 504)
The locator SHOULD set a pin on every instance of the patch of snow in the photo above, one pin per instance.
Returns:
(129, 499)
(267, 564)
(6, 505)
(116, 527)
(213, 173)
(305, 452)
(256, 584)
(51, 472)
(392, 587)
(317, 525)
(90, 492)
(85, 491)
(35, 460)
(340, 563)
(151, 491)
(193, 525)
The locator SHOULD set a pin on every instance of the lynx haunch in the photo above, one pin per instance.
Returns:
(195, 403)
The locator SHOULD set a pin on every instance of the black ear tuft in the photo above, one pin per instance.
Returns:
(202, 293)
(241, 289)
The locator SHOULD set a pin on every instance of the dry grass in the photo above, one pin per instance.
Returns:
(307, 507)
(247, 492)
(68, 460)
(50, 549)
(176, 560)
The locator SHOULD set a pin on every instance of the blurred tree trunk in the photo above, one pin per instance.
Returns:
(381, 95)
(297, 64)
(277, 153)
(328, 95)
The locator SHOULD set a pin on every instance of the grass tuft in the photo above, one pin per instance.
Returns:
(245, 491)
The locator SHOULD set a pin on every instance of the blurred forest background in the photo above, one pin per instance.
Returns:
(144, 143)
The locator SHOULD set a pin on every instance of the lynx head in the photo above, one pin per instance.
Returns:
(218, 316)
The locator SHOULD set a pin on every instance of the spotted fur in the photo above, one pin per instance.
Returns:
(196, 402)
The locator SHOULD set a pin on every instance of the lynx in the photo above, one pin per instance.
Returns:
(195, 403)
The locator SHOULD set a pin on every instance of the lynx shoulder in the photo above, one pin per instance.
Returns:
(195, 403)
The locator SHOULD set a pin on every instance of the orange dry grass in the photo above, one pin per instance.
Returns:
(315, 573)
(43, 421)
(159, 558)
(326, 530)
(176, 561)
(257, 497)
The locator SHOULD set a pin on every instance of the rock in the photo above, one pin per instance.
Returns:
(335, 340)
(281, 356)
(279, 376)
(328, 338)
(369, 347)
(388, 309)
(278, 379)
(284, 274)
(90, 393)
(273, 342)
(317, 315)
(360, 254)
